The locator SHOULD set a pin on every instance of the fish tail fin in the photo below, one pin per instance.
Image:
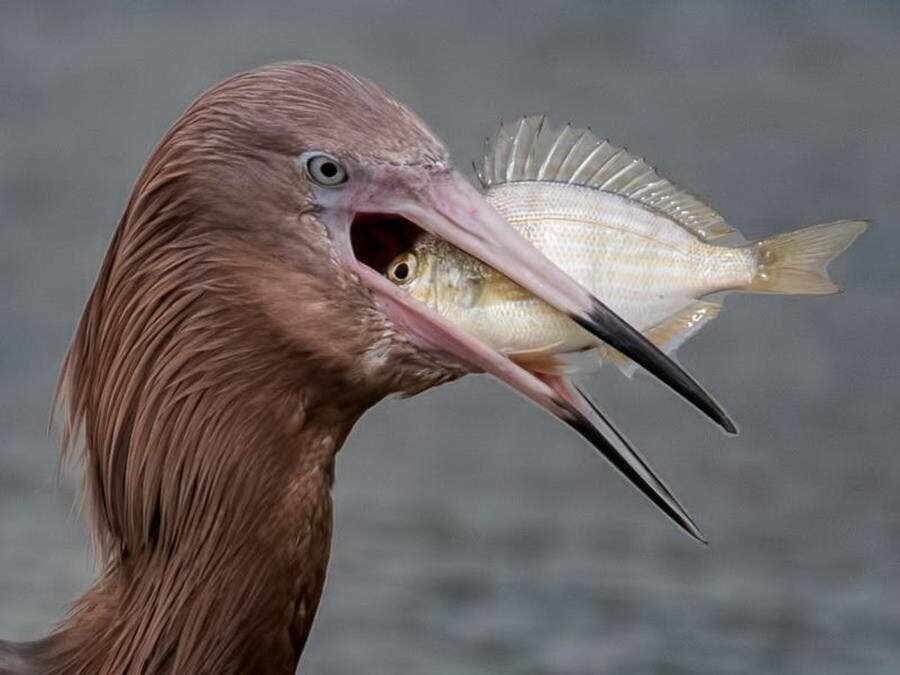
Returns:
(797, 262)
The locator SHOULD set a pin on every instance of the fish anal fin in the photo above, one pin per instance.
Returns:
(668, 335)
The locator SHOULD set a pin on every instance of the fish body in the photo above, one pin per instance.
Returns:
(638, 243)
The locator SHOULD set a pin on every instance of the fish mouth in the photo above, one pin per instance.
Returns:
(448, 207)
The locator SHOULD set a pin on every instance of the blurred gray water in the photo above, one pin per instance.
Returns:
(473, 533)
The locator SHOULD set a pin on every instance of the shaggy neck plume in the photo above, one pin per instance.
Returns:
(208, 433)
(209, 480)
(212, 505)
(239, 596)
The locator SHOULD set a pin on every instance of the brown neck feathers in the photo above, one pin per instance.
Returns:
(209, 461)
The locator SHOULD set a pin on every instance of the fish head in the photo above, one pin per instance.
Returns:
(444, 278)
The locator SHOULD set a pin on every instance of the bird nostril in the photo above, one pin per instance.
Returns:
(378, 238)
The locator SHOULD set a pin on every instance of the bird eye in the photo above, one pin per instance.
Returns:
(325, 169)
(403, 268)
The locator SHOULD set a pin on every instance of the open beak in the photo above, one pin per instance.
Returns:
(449, 207)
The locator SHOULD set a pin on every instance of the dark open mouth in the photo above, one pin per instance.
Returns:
(378, 238)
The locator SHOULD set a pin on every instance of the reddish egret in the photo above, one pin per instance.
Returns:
(239, 326)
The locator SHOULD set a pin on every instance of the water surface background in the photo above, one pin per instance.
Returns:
(473, 533)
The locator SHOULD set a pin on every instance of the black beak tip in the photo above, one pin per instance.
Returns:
(698, 535)
(619, 334)
(650, 485)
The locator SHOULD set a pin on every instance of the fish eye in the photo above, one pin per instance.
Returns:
(403, 268)
(323, 168)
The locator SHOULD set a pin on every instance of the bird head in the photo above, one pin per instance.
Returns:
(259, 234)
(321, 178)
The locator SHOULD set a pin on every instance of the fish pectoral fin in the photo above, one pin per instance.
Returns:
(668, 334)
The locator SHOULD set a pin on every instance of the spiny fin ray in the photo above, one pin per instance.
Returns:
(532, 149)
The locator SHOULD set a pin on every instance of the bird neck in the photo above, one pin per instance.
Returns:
(226, 575)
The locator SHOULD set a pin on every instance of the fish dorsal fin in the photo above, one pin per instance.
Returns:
(668, 334)
(531, 149)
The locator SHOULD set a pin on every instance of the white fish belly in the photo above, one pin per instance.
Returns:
(644, 266)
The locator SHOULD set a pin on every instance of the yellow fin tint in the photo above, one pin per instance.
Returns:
(668, 335)
(543, 361)
(797, 262)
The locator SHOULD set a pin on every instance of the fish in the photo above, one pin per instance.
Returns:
(658, 256)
